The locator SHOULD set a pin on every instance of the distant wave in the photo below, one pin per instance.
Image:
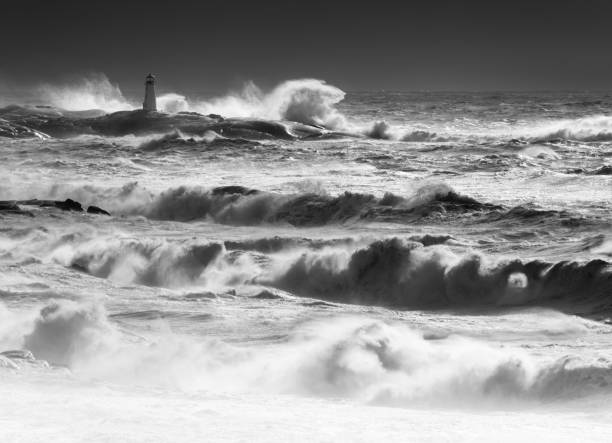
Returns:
(243, 206)
(238, 205)
(384, 131)
(269, 245)
(588, 129)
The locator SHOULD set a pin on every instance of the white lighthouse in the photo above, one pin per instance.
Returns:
(149, 103)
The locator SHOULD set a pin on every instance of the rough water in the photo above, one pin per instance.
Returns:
(305, 263)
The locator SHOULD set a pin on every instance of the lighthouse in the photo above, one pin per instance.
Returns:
(149, 103)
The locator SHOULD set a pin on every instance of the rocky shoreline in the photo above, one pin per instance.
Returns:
(16, 206)
(45, 122)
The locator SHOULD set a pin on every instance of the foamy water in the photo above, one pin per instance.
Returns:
(346, 266)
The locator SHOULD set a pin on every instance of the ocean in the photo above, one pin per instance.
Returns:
(306, 263)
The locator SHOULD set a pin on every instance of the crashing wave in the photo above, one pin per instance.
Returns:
(151, 263)
(394, 272)
(307, 101)
(362, 359)
(237, 205)
(382, 130)
(587, 129)
(418, 272)
(92, 92)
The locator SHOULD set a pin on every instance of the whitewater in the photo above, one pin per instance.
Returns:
(305, 262)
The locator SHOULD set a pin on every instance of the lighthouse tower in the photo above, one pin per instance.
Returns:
(149, 103)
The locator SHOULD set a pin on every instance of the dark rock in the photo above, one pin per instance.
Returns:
(267, 295)
(206, 295)
(69, 205)
(66, 205)
(15, 130)
(8, 206)
(234, 189)
(96, 210)
(11, 207)
(17, 121)
(604, 170)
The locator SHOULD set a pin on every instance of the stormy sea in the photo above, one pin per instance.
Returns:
(302, 261)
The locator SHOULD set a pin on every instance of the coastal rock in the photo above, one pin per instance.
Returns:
(234, 189)
(66, 205)
(38, 121)
(13, 130)
(96, 210)
(11, 207)
(267, 295)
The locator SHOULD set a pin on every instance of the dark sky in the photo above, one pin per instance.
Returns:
(210, 46)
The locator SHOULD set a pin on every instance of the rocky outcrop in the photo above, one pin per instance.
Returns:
(12, 130)
(20, 121)
(60, 123)
(66, 205)
(10, 207)
(96, 210)
(15, 207)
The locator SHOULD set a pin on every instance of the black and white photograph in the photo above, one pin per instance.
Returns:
(305, 221)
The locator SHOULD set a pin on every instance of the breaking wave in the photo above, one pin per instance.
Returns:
(92, 92)
(382, 130)
(359, 358)
(244, 206)
(237, 205)
(587, 129)
(412, 272)
(307, 101)
(146, 262)
(400, 273)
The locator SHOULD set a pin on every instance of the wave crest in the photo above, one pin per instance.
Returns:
(396, 272)
(587, 129)
(307, 101)
(359, 358)
(147, 262)
(92, 92)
